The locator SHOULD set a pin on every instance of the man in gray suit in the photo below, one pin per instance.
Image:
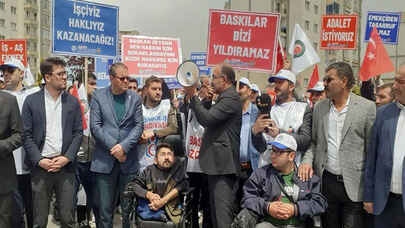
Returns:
(10, 139)
(116, 123)
(341, 128)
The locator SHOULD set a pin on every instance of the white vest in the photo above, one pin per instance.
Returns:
(194, 136)
(153, 119)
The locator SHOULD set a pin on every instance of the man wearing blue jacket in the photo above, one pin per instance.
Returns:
(116, 123)
(384, 173)
(276, 196)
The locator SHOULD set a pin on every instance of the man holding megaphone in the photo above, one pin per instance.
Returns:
(219, 152)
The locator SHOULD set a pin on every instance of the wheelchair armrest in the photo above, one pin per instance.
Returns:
(187, 192)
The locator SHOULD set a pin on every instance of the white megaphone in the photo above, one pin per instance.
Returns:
(188, 73)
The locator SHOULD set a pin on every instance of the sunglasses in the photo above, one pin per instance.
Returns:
(123, 78)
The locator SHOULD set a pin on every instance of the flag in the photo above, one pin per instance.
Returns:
(28, 77)
(280, 56)
(314, 77)
(75, 93)
(376, 60)
(304, 55)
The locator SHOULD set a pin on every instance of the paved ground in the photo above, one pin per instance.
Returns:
(117, 222)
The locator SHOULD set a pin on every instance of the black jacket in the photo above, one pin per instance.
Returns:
(262, 188)
(34, 121)
(219, 152)
(10, 139)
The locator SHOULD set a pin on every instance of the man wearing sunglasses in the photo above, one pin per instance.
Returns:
(52, 137)
(116, 123)
(274, 196)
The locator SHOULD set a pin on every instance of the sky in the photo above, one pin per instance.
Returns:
(184, 19)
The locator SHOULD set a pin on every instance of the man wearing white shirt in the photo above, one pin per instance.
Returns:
(341, 126)
(287, 115)
(52, 137)
(384, 176)
(13, 73)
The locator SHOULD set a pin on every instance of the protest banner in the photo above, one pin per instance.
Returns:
(147, 56)
(102, 65)
(16, 49)
(244, 40)
(200, 58)
(339, 32)
(84, 28)
(387, 25)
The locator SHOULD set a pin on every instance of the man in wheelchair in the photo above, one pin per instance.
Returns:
(158, 186)
(274, 196)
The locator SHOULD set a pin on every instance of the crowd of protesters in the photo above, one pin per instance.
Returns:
(252, 158)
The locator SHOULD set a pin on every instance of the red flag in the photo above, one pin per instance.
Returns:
(314, 78)
(75, 93)
(280, 57)
(376, 60)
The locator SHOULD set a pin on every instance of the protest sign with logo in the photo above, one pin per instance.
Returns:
(13, 49)
(200, 58)
(387, 25)
(102, 65)
(339, 32)
(147, 56)
(84, 28)
(244, 40)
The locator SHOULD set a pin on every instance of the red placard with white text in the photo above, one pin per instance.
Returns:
(147, 56)
(16, 49)
(244, 40)
(339, 32)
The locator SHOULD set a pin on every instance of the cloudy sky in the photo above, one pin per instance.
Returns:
(184, 19)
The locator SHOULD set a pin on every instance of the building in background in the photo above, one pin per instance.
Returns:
(30, 20)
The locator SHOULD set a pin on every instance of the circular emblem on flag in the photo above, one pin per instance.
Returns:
(299, 48)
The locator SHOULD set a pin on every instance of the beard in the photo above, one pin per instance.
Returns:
(282, 97)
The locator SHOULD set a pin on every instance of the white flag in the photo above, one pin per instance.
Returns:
(304, 55)
(28, 77)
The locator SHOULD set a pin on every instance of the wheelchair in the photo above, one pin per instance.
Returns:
(185, 204)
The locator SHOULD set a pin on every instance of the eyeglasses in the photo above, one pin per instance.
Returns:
(123, 78)
(278, 152)
(60, 74)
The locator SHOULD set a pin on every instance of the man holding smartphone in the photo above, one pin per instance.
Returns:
(287, 115)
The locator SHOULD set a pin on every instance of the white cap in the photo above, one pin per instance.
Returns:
(15, 63)
(285, 141)
(255, 88)
(319, 87)
(284, 74)
(245, 81)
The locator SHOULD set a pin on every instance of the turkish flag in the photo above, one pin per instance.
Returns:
(280, 57)
(376, 60)
(314, 78)
(75, 93)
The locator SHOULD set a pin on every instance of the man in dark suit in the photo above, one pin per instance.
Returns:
(384, 179)
(10, 139)
(116, 122)
(219, 152)
(52, 136)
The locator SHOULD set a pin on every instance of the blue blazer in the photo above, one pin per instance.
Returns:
(34, 122)
(377, 179)
(253, 153)
(108, 132)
